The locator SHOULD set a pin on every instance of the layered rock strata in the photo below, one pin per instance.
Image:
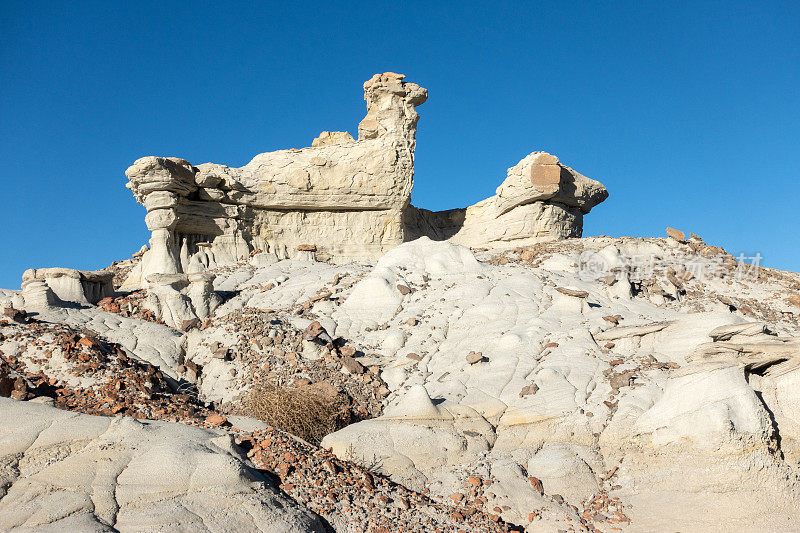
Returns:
(45, 286)
(348, 198)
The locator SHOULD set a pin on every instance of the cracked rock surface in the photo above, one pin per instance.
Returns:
(74, 472)
(557, 386)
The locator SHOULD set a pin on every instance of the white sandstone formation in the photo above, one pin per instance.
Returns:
(585, 384)
(349, 199)
(43, 286)
(180, 300)
(72, 472)
(559, 384)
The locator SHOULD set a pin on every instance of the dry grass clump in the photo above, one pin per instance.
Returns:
(303, 412)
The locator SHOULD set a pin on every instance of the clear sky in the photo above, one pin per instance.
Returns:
(689, 113)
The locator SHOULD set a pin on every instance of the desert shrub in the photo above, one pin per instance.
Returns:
(303, 412)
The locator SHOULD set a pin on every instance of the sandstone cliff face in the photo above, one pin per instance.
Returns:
(348, 198)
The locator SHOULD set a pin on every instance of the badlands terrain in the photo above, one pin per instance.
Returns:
(300, 349)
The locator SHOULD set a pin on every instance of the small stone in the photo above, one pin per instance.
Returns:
(15, 315)
(414, 357)
(537, 484)
(352, 366)
(727, 301)
(222, 353)
(676, 234)
(572, 292)
(403, 289)
(527, 390)
(411, 321)
(609, 279)
(613, 319)
(192, 323)
(216, 420)
(315, 331)
(527, 255)
(675, 281)
(85, 341)
(347, 351)
(306, 248)
(474, 357)
(330, 466)
(19, 394)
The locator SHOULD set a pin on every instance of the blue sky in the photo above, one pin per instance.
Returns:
(688, 112)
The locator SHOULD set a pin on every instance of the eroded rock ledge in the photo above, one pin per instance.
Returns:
(348, 198)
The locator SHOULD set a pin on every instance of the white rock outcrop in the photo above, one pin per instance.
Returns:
(350, 199)
(72, 472)
(66, 286)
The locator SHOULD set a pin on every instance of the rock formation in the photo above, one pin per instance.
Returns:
(74, 472)
(505, 386)
(349, 199)
(45, 286)
(474, 378)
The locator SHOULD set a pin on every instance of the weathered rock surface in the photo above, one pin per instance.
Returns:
(73, 472)
(348, 198)
(42, 286)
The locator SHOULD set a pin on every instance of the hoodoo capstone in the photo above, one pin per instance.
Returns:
(349, 198)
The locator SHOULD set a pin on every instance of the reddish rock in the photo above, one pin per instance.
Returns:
(537, 484)
(15, 315)
(572, 292)
(474, 357)
(352, 366)
(306, 248)
(216, 420)
(313, 331)
(192, 323)
(347, 351)
(678, 235)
